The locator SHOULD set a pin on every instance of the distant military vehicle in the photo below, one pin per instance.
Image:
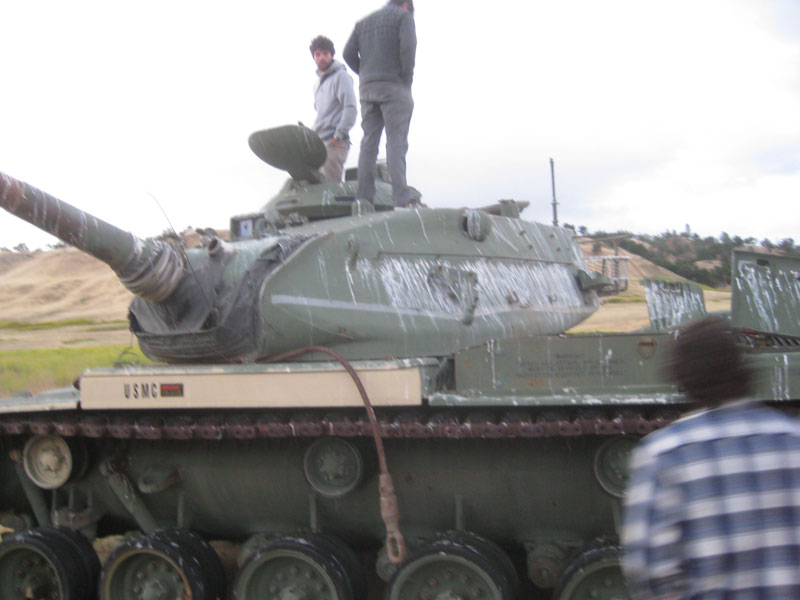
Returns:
(361, 399)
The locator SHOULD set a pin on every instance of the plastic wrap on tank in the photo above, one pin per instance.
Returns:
(216, 323)
(440, 288)
(672, 304)
(766, 293)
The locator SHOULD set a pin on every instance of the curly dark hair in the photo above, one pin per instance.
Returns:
(322, 43)
(708, 364)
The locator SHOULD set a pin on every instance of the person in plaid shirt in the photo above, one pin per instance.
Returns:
(713, 502)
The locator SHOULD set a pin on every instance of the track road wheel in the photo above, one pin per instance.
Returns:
(455, 566)
(348, 560)
(88, 563)
(47, 564)
(298, 567)
(596, 574)
(489, 549)
(169, 564)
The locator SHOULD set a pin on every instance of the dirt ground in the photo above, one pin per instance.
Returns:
(65, 284)
(61, 285)
(58, 285)
(630, 316)
(72, 337)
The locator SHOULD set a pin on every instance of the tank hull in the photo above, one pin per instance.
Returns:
(525, 447)
(235, 489)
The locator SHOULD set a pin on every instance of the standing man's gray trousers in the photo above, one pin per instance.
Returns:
(385, 105)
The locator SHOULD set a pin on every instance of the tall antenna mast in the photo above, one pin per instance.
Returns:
(555, 202)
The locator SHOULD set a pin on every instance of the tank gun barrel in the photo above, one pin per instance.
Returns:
(150, 269)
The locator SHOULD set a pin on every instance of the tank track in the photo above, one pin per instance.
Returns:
(410, 425)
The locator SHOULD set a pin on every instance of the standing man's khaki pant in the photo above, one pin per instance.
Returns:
(333, 168)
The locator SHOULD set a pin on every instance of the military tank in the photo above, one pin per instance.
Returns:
(352, 400)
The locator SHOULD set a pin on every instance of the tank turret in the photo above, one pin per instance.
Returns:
(315, 268)
(300, 152)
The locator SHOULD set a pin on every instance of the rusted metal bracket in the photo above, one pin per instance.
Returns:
(34, 494)
(126, 494)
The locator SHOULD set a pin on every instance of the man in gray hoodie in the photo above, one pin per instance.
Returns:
(382, 51)
(335, 102)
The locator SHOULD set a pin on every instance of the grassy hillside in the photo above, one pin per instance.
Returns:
(705, 260)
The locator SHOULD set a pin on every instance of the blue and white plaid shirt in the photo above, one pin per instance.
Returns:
(713, 507)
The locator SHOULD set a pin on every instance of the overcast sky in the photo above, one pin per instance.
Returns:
(657, 114)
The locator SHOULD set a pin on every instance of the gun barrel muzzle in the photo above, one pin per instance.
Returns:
(151, 269)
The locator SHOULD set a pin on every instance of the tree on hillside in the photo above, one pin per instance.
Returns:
(681, 253)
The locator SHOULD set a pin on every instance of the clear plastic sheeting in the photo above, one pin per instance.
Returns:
(479, 288)
(428, 284)
(672, 304)
(766, 293)
(153, 271)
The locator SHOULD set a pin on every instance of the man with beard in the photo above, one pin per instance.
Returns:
(335, 102)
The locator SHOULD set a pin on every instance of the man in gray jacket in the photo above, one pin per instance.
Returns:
(382, 50)
(335, 102)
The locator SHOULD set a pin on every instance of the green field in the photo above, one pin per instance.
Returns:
(38, 370)
(36, 326)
